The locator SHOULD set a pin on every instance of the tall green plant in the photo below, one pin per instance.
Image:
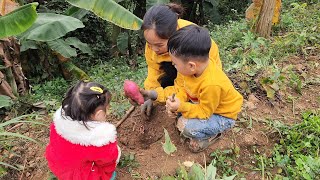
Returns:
(110, 11)
(50, 28)
(18, 20)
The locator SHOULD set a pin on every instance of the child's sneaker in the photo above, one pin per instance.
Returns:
(196, 145)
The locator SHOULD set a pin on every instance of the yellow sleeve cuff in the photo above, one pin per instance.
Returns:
(184, 107)
(161, 95)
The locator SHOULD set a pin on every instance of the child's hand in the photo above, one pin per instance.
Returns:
(171, 114)
(131, 101)
(172, 104)
(149, 94)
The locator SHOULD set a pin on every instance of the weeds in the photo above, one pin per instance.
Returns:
(251, 56)
(272, 81)
(50, 90)
(110, 75)
(7, 138)
(224, 161)
(295, 82)
(5, 101)
(128, 161)
(297, 154)
(113, 76)
(193, 171)
(196, 171)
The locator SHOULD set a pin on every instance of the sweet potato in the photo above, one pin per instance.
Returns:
(131, 90)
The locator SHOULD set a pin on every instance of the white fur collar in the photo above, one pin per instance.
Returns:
(99, 133)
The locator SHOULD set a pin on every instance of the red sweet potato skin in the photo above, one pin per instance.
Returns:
(131, 90)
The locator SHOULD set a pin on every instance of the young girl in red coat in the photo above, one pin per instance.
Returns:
(82, 144)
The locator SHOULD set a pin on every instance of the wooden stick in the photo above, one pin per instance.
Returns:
(172, 98)
(15, 126)
(125, 116)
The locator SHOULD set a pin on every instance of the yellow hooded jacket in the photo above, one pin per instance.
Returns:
(154, 71)
(210, 93)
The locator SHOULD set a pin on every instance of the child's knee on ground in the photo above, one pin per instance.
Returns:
(204, 129)
(181, 123)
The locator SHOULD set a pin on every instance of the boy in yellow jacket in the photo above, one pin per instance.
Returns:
(159, 23)
(207, 101)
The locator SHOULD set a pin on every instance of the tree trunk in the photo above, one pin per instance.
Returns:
(264, 23)
(10, 54)
(5, 88)
(20, 79)
(70, 70)
(254, 9)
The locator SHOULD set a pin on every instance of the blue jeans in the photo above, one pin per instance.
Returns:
(204, 129)
(114, 174)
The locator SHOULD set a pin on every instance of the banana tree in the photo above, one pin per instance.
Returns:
(15, 20)
(110, 11)
(119, 14)
(49, 30)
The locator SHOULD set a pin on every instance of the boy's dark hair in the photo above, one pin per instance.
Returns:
(163, 19)
(83, 99)
(190, 41)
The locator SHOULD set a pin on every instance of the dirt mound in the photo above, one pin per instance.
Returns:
(136, 132)
(145, 138)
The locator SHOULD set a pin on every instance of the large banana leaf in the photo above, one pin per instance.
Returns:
(62, 47)
(75, 42)
(150, 3)
(111, 11)
(18, 20)
(28, 44)
(50, 27)
(76, 12)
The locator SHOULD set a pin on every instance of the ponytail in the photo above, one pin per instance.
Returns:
(83, 99)
(163, 19)
(177, 8)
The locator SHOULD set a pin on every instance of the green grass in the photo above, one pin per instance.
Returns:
(240, 51)
(296, 155)
(112, 75)
(224, 160)
(298, 33)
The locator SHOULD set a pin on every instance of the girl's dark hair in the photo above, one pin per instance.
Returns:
(190, 42)
(163, 18)
(170, 74)
(83, 99)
